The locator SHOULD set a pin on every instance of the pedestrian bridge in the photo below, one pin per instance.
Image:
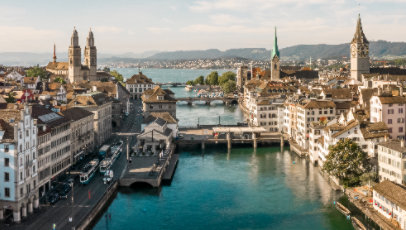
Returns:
(208, 100)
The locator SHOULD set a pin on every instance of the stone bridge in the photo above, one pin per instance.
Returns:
(208, 100)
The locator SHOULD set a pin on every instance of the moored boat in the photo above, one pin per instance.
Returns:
(357, 224)
(341, 208)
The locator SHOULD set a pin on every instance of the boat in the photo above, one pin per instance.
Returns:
(88, 171)
(357, 224)
(341, 208)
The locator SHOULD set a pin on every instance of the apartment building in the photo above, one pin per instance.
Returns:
(101, 106)
(392, 161)
(54, 145)
(18, 162)
(158, 100)
(82, 132)
(389, 200)
(138, 84)
(392, 111)
(314, 110)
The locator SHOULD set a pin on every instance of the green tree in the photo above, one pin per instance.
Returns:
(60, 80)
(212, 78)
(106, 69)
(10, 98)
(347, 162)
(229, 86)
(190, 82)
(118, 76)
(225, 77)
(199, 80)
(37, 71)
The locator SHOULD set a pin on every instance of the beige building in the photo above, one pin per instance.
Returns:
(54, 153)
(158, 100)
(392, 161)
(138, 84)
(18, 163)
(82, 132)
(101, 106)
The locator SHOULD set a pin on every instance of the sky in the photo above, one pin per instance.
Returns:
(124, 26)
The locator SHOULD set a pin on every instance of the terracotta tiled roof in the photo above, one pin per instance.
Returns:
(57, 65)
(393, 192)
(166, 116)
(319, 104)
(139, 79)
(346, 128)
(92, 99)
(394, 145)
(8, 117)
(339, 93)
(393, 100)
(76, 113)
(151, 96)
(374, 130)
(30, 80)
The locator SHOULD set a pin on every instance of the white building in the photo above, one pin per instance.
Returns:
(18, 163)
(138, 84)
(389, 200)
(392, 161)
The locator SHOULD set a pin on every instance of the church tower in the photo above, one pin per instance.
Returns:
(359, 53)
(75, 65)
(275, 63)
(91, 57)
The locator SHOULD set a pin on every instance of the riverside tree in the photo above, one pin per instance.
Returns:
(199, 80)
(225, 77)
(347, 162)
(212, 78)
(118, 76)
(229, 86)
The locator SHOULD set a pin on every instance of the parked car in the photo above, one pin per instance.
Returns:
(53, 197)
(63, 190)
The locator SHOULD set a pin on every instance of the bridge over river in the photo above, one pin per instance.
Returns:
(227, 100)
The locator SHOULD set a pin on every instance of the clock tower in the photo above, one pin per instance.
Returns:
(359, 53)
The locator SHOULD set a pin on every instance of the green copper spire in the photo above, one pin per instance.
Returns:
(275, 50)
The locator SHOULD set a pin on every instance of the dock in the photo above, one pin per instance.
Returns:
(170, 171)
(149, 169)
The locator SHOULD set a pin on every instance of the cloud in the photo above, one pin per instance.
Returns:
(108, 29)
(203, 28)
(158, 30)
(225, 19)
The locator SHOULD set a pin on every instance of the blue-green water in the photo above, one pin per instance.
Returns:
(266, 189)
(191, 115)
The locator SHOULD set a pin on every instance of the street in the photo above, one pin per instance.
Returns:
(85, 196)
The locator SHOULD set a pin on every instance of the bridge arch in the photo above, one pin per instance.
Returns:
(141, 184)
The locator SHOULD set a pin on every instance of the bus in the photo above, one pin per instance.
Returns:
(104, 151)
(88, 171)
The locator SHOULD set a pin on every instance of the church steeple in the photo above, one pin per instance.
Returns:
(90, 39)
(54, 57)
(275, 50)
(75, 38)
(359, 36)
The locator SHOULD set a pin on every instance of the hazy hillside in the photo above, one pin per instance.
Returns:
(378, 49)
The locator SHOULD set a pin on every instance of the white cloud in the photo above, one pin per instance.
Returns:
(225, 19)
(158, 30)
(108, 29)
(241, 29)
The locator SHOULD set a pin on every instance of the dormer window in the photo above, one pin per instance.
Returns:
(160, 98)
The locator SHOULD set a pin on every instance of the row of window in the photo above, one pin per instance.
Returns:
(399, 120)
(400, 130)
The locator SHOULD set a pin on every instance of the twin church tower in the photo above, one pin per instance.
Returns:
(76, 70)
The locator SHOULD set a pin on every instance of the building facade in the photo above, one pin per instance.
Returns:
(18, 163)
(392, 161)
(138, 84)
(158, 100)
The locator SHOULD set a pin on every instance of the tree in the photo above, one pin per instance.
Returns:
(190, 82)
(347, 162)
(10, 98)
(60, 80)
(229, 86)
(106, 69)
(118, 76)
(225, 77)
(37, 71)
(199, 80)
(212, 78)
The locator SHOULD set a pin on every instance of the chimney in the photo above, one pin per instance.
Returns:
(402, 143)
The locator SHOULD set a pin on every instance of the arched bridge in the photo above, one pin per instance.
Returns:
(208, 100)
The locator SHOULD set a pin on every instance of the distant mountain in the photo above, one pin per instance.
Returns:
(378, 49)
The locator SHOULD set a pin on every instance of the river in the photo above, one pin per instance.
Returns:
(243, 189)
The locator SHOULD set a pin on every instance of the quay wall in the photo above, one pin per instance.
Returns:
(103, 203)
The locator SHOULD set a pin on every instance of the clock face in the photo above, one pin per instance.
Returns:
(353, 51)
